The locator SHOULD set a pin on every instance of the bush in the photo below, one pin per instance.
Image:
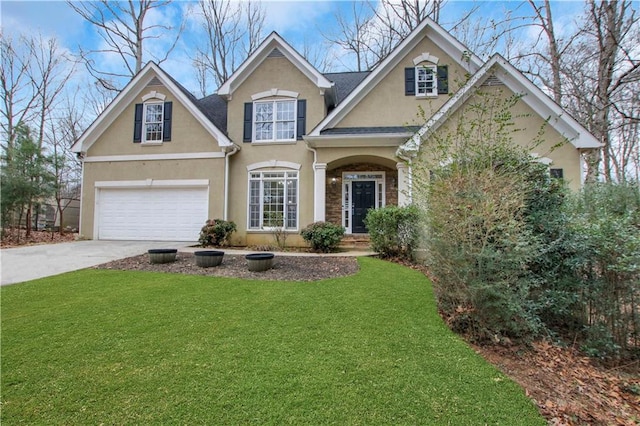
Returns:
(393, 230)
(216, 232)
(323, 236)
(606, 221)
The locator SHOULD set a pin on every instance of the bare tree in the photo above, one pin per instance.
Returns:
(319, 55)
(18, 95)
(35, 72)
(64, 131)
(233, 30)
(125, 29)
(369, 31)
(352, 35)
(52, 70)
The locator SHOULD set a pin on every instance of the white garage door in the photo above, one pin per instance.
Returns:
(159, 214)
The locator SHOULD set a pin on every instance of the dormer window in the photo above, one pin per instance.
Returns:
(152, 120)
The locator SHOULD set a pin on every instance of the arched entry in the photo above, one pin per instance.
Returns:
(357, 184)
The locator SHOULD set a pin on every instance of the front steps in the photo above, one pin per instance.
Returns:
(355, 242)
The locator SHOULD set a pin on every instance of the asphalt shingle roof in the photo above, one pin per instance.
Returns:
(345, 82)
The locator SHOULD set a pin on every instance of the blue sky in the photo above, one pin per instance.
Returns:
(297, 21)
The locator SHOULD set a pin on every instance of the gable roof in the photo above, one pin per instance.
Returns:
(427, 28)
(499, 68)
(132, 90)
(266, 48)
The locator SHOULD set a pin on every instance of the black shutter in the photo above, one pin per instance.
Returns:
(166, 122)
(137, 124)
(443, 79)
(248, 120)
(302, 119)
(410, 81)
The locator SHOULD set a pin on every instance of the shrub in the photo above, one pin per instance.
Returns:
(393, 230)
(606, 221)
(216, 232)
(473, 183)
(323, 236)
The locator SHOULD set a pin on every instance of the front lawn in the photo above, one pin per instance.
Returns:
(99, 346)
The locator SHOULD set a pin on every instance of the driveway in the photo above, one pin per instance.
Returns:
(28, 263)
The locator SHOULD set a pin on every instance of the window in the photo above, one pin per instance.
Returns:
(556, 173)
(152, 122)
(153, 117)
(273, 200)
(275, 120)
(426, 81)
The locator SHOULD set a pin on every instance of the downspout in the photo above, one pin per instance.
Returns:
(234, 149)
(315, 154)
(313, 166)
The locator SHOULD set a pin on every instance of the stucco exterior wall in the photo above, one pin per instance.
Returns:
(273, 73)
(528, 124)
(387, 105)
(187, 133)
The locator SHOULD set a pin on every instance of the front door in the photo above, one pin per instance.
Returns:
(364, 198)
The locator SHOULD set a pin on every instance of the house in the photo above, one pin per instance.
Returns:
(284, 145)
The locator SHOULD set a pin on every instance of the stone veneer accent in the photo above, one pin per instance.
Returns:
(334, 192)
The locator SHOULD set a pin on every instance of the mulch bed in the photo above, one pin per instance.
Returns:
(285, 268)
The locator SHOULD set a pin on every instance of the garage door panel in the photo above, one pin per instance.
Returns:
(172, 214)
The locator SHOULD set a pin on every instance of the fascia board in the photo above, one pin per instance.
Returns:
(515, 81)
(433, 31)
(357, 141)
(546, 107)
(254, 60)
(128, 94)
(115, 107)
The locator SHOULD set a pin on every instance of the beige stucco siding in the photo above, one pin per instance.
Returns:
(187, 134)
(387, 105)
(339, 156)
(529, 124)
(273, 73)
(178, 170)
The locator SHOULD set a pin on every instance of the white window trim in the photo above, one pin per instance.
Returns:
(274, 130)
(144, 123)
(434, 89)
(275, 92)
(263, 228)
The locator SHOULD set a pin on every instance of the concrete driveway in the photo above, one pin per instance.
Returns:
(28, 263)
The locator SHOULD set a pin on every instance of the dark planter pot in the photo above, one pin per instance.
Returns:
(259, 262)
(162, 255)
(208, 258)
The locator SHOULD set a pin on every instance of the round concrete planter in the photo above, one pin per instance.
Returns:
(162, 255)
(259, 262)
(208, 258)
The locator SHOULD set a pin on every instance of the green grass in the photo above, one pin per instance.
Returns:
(111, 347)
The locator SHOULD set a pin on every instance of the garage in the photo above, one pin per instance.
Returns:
(154, 214)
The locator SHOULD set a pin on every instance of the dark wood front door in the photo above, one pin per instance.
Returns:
(364, 198)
